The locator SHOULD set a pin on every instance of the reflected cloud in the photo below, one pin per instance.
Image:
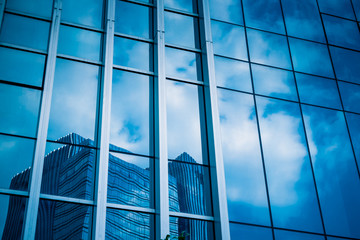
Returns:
(226, 10)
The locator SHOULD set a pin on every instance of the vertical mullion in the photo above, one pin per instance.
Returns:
(36, 173)
(216, 163)
(2, 9)
(104, 125)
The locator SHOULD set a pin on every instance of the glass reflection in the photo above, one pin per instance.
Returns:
(228, 11)
(84, 12)
(268, 48)
(191, 229)
(350, 95)
(11, 218)
(289, 176)
(274, 82)
(245, 232)
(346, 64)
(41, 8)
(184, 5)
(245, 184)
(341, 8)
(287, 235)
(353, 121)
(335, 171)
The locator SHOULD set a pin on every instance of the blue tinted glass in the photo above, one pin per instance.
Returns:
(274, 82)
(342, 32)
(289, 176)
(74, 98)
(269, 49)
(122, 224)
(24, 31)
(335, 171)
(350, 95)
(318, 91)
(132, 19)
(341, 8)
(184, 5)
(84, 12)
(245, 184)
(232, 74)
(130, 112)
(356, 5)
(79, 43)
(12, 216)
(184, 228)
(303, 20)
(229, 11)
(346, 64)
(229, 40)
(131, 53)
(19, 109)
(264, 14)
(311, 58)
(353, 121)
(181, 30)
(245, 232)
(41, 8)
(21, 67)
(287, 235)
(183, 64)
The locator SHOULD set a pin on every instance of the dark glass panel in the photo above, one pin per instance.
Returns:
(335, 171)
(274, 82)
(356, 5)
(287, 235)
(25, 32)
(191, 229)
(245, 232)
(74, 100)
(181, 30)
(184, 5)
(229, 11)
(267, 48)
(353, 121)
(245, 184)
(290, 181)
(61, 220)
(21, 67)
(350, 95)
(41, 8)
(84, 12)
(346, 64)
(341, 8)
(19, 109)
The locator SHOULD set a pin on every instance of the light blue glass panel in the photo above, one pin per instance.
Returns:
(346, 64)
(228, 11)
(19, 109)
(21, 67)
(350, 95)
(12, 216)
(274, 82)
(79, 43)
(229, 40)
(130, 112)
(353, 121)
(245, 232)
(84, 12)
(245, 184)
(289, 176)
(309, 57)
(318, 91)
(264, 14)
(25, 32)
(41, 8)
(184, 5)
(269, 49)
(232, 74)
(302, 19)
(287, 235)
(335, 171)
(185, 228)
(341, 8)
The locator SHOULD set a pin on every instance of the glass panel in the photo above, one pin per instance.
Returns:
(131, 53)
(318, 91)
(15, 162)
(353, 121)
(342, 32)
(41, 8)
(229, 40)
(185, 121)
(83, 12)
(130, 180)
(122, 224)
(350, 95)
(19, 109)
(303, 20)
(232, 74)
(133, 19)
(228, 11)
(183, 64)
(184, 5)
(245, 232)
(340, 8)
(12, 216)
(264, 14)
(21, 67)
(309, 57)
(335, 171)
(79, 43)
(25, 31)
(245, 184)
(274, 82)
(191, 229)
(190, 186)
(181, 30)
(130, 112)
(346, 64)
(269, 49)
(290, 181)
(60, 220)
(74, 99)
(356, 5)
(287, 235)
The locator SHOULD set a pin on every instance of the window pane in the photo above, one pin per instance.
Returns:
(41, 8)
(184, 5)
(245, 232)
(353, 121)
(228, 11)
(25, 32)
(286, 235)
(269, 49)
(350, 95)
(191, 228)
(21, 67)
(19, 109)
(79, 43)
(341, 8)
(346, 64)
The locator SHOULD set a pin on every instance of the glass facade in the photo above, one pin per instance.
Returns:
(195, 119)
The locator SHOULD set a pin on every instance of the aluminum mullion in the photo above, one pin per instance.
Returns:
(37, 168)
